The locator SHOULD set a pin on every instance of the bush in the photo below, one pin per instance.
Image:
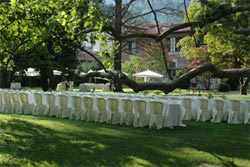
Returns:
(224, 87)
(233, 83)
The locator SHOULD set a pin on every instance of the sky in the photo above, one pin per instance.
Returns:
(176, 4)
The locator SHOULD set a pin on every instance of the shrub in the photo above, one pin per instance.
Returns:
(224, 87)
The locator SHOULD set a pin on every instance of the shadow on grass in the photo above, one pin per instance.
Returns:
(94, 144)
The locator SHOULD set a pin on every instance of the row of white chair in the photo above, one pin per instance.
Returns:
(109, 108)
(129, 109)
(232, 111)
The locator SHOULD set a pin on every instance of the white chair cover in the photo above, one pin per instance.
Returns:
(156, 114)
(16, 104)
(203, 113)
(1, 102)
(187, 108)
(77, 109)
(89, 113)
(218, 110)
(234, 115)
(127, 116)
(27, 107)
(50, 101)
(173, 114)
(100, 109)
(63, 109)
(7, 102)
(247, 112)
(39, 108)
(113, 114)
(141, 117)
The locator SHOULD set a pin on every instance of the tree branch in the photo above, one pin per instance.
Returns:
(200, 23)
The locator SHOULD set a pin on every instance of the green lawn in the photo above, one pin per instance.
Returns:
(45, 141)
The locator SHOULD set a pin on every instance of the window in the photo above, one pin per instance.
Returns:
(172, 44)
(132, 47)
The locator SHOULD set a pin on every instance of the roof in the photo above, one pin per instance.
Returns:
(151, 28)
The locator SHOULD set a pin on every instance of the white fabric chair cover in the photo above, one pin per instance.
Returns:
(89, 113)
(7, 102)
(84, 88)
(50, 101)
(234, 115)
(156, 114)
(100, 109)
(1, 102)
(77, 109)
(173, 114)
(218, 111)
(63, 110)
(16, 104)
(187, 108)
(141, 117)
(203, 114)
(61, 86)
(247, 112)
(39, 108)
(113, 114)
(127, 115)
(27, 107)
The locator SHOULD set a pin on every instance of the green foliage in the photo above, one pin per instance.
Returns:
(218, 42)
(224, 87)
(44, 33)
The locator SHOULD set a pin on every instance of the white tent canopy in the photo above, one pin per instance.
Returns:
(148, 74)
(31, 72)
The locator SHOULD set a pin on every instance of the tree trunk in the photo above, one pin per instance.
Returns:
(118, 53)
(47, 81)
(243, 85)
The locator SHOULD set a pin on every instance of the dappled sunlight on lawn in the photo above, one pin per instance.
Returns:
(47, 141)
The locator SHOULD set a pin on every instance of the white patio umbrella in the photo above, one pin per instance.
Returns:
(148, 74)
(56, 72)
(31, 72)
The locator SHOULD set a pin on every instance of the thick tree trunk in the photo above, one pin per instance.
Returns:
(118, 53)
(168, 87)
(47, 81)
(243, 85)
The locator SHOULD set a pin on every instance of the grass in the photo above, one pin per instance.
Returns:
(46, 141)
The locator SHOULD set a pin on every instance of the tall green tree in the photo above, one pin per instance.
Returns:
(219, 42)
(42, 34)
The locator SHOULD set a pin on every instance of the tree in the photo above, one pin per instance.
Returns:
(219, 42)
(28, 27)
(41, 33)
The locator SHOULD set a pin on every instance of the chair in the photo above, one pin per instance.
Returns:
(234, 114)
(203, 114)
(39, 108)
(89, 113)
(27, 107)
(84, 88)
(187, 108)
(63, 110)
(113, 112)
(100, 109)
(141, 117)
(76, 110)
(218, 111)
(52, 109)
(1, 102)
(7, 102)
(156, 114)
(16, 105)
(247, 112)
(127, 115)
(173, 115)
